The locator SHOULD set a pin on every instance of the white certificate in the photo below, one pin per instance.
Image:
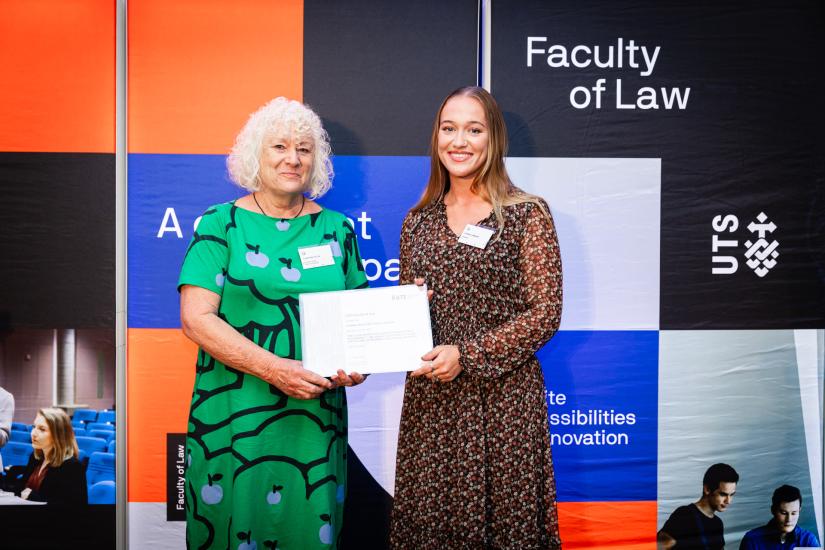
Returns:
(365, 331)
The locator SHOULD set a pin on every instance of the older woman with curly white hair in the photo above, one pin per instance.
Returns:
(267, 439)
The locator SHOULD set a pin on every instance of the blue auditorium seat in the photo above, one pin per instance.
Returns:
(16, 453)
(107, 416)
(99, 426)
(101, 468)
(112, 446)
(84, 415)
(20, 426)
(103, 492)
(19, 435)
(102, 434)
(91, 444)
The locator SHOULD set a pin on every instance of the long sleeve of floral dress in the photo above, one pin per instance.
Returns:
(538, 303)
(511, 344)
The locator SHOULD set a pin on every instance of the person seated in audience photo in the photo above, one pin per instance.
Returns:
(782, 531)
(696, 525)
(54, 474)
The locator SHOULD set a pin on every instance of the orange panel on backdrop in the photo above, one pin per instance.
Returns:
(614, 525)
(161, 374)
(57, 58)
(198, 68)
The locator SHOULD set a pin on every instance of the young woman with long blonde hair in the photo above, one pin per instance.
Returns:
(474, 468)
(54, 473)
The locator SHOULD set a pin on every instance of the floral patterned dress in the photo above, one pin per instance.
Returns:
(265, 470)
(474, 468)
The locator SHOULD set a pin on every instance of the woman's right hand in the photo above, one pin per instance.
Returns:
(293, 379)
(201, 324)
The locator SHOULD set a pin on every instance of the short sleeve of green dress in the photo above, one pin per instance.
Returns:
(265, 470)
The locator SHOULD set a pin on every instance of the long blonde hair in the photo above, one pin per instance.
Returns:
(491, 181)
(64, 444)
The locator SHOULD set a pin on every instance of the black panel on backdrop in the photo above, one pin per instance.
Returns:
(58, 241)
(49, 527)
(738, 129)
(367, 509)
(376, 71)
(175, 477)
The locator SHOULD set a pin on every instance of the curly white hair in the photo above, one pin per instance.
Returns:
(281, 116)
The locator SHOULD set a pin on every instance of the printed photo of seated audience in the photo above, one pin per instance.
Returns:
(740, 440)
(57, 417)
(697, 526)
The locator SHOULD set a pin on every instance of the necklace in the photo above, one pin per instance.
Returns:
(303, 200)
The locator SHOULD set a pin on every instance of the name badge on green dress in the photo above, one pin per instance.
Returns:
(316, 256)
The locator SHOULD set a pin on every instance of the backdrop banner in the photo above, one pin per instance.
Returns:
(57, 258)
(680, 152)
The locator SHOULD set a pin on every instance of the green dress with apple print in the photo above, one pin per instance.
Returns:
(265, 470)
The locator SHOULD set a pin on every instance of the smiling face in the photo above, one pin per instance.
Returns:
(786, 515)
(720, 499)
(286, 163)
(463, 138)
(42, 435)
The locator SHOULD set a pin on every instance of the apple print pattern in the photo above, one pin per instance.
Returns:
(334, 245)
(246, 541)
(325, 532)
(212, 493)
(499, 305)
(220, 278)
(289, 273)
(274, 496)
(255, 257)
(264, 467)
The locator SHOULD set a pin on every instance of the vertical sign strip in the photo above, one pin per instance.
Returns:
(810, 392)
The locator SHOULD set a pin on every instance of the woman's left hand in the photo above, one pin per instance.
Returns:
(342, 379)
(440, 364)
(419, 281)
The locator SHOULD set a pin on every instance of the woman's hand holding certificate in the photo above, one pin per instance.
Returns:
(365, 331)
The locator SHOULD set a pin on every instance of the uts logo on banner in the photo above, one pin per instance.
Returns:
(760, 253)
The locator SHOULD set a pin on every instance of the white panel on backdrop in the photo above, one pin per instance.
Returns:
(810, 352)
(607, 213)
(148, 527)
(374, 415)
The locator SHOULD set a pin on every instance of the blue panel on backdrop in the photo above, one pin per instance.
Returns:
(168, 192)
(602, 400)
(376, 193)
